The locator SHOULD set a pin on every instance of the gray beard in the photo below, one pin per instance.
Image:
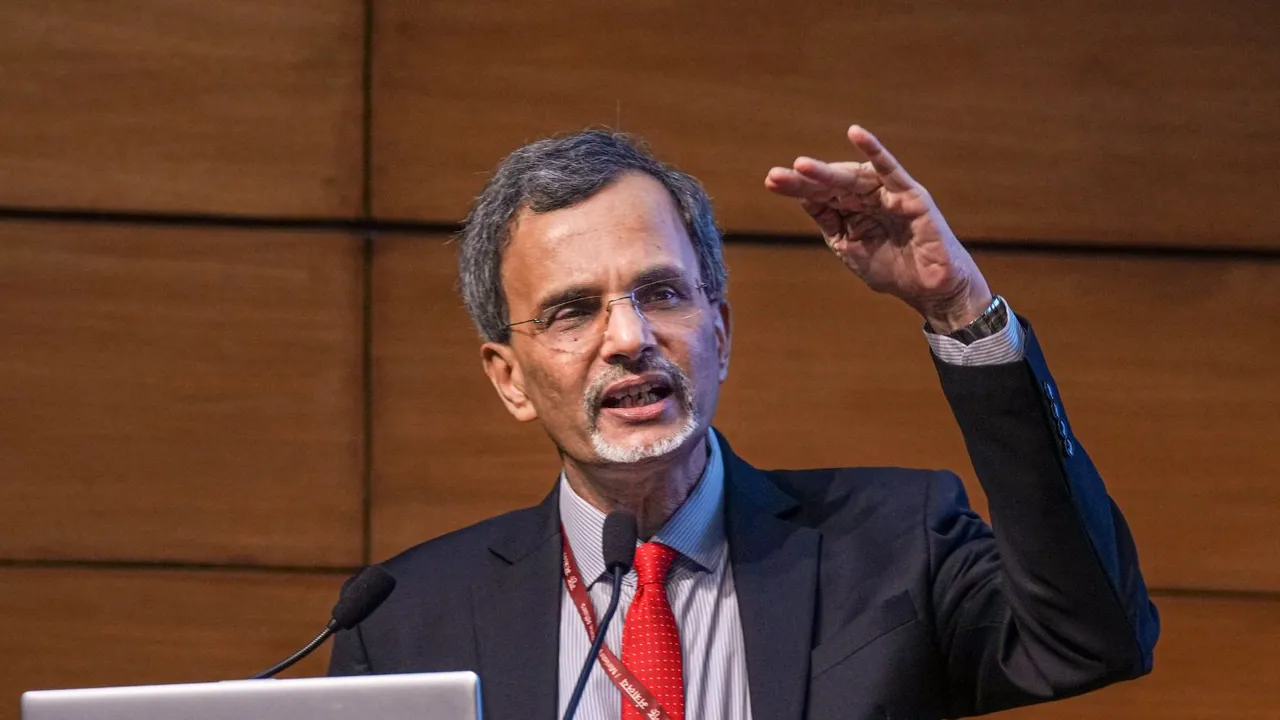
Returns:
(683, 394)
(628, 455)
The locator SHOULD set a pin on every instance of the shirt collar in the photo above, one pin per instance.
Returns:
(696, 530)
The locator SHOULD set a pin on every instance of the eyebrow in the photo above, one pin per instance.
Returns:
(564, 295)
(656, 274)
(578, 292)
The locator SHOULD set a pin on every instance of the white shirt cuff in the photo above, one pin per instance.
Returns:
(1005, 346)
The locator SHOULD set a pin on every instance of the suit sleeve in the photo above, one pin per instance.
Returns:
(1048, 601)
(349, 656)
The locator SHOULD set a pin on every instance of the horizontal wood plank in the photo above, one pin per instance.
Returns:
(1120, 123)
(180, 394)
(90, 627)
(1216, 659)
(238, 107)
(1165, 366)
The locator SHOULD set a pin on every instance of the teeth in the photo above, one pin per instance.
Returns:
(639, 395)
(636, 396)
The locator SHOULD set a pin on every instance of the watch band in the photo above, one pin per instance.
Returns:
(991, 321)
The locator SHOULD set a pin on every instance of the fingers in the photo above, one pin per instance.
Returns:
(895, 179)
(847, 177)
(831, 174)
(816, 180)
(786, 181)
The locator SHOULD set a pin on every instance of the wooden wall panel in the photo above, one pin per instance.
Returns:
(1166, 368)
(1216, 659)
(445, 452)
(1096, 121)
(180, 394)
(237, 106)
(99, 627)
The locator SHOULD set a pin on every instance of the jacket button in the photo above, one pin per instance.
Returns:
(1048, 390)
(1062, 429)
(1057, 412)
(1068, 448)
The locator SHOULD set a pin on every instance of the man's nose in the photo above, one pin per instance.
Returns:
(626, 331)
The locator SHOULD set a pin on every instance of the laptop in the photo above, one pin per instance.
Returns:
(422, 696)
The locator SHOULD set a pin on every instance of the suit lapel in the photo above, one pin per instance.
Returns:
(517, 612)
(775, 573)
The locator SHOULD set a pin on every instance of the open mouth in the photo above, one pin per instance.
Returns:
(633, 395)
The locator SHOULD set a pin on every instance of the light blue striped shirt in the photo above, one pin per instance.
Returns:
(699, 587)
(700, 584)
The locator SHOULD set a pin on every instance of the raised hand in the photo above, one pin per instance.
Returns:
(886, 228)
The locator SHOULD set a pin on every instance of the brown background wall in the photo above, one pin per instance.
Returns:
(235, 368)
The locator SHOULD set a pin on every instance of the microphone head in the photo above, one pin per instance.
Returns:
(361, 595)
(619, 540)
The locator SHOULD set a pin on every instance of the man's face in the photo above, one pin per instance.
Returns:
(628, 388)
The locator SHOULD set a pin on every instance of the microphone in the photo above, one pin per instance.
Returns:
(619, 544)
(361, 594)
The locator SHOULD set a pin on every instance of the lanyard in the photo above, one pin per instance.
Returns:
(631, 688)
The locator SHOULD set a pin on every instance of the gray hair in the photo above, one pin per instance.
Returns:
(557, 173)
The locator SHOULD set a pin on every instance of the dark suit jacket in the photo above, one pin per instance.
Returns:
(864, 592)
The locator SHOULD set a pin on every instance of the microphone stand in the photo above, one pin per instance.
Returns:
(596, 644)
(289, 661)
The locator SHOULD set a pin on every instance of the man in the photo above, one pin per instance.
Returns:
(595, 276)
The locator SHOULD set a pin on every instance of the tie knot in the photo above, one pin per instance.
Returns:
(653, 560)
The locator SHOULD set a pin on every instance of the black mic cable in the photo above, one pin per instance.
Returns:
(360, 595)
(619, 545)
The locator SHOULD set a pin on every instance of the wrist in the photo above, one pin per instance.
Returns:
(956, 313)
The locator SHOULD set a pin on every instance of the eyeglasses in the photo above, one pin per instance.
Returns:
(573, 326)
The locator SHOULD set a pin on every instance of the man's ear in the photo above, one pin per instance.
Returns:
(503, 369)
(724, 336)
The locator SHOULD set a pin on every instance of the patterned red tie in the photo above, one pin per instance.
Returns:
(650, 639)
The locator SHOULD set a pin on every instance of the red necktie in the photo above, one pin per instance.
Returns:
(650, 640)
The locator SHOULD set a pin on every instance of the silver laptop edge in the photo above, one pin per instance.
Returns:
(421, 696)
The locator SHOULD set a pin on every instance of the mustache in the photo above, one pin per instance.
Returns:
(681, 386)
